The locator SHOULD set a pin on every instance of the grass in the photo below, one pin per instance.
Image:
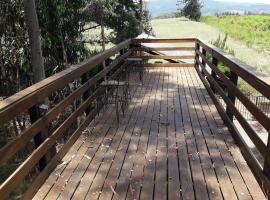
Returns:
(180, 27)
(253, 30)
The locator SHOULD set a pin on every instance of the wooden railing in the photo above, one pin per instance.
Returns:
(207, 61)
(188, 50)
(30, 101)
(184, 53)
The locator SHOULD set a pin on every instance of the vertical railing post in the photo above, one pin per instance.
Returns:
(35, 113)
(197, 57)
(203, 61)
(86, 94)
(234, 79)
(266, 167)
(213, 73)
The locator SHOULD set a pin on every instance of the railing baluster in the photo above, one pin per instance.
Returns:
(266, 167)
(213, 74)
(35, 113)
(197, 48)
(231, 96)
(86, 94)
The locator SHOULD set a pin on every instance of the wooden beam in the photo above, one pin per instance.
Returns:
(168, 65)
(173, 40)
(144, 48)
(165, 57)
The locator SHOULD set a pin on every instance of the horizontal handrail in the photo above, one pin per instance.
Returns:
(172, 40)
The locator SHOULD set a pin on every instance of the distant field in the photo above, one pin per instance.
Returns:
(179, 27)
(253, 30)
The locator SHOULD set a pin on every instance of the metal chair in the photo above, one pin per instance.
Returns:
(116, 92)
(135, 66)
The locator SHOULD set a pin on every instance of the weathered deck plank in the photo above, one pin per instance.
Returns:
(171, 144)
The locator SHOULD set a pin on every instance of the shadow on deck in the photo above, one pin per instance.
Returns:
(171, 144)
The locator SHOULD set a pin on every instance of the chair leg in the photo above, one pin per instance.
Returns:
(117, 111)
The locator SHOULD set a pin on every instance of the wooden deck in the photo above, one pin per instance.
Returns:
(171, 144)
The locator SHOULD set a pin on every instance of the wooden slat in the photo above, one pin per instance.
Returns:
(144, 48)
(150, 154)
(173, 40)
(161, 155)
(174, 192)
(181, 117)
(23, 100)
(165, 57)
(234, 187)
(138, 170)
(190, 128)
(168, 65)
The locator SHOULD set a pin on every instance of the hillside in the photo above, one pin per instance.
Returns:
(176, 27)
(158, 7)
(253, 30)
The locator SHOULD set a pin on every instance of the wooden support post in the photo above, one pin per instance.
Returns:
(86, 94)
(122, 52)
(213, 74)
(35, 113)
(203, 61)
(234, 80)
(197, 57)
(266, 167)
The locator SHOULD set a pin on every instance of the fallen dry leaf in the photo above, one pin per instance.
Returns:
(112, 189)
(165, 123)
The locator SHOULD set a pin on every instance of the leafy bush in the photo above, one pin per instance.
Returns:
(221, 43)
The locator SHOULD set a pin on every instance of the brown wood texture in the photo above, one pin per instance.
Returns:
(248, 154)
(164, 49)
(168, 65)
(171, 144)
(13, 146)
(173, 40)
(165, 57)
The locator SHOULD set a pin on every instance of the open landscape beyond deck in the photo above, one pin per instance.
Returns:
(171, 144)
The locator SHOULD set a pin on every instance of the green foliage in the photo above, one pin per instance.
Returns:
(254, 30)
(222, 44)
(168, 15)
(191, 9)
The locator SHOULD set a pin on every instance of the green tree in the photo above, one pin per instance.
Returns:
(190, 9)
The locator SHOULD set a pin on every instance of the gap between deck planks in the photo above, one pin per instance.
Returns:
(171, 144)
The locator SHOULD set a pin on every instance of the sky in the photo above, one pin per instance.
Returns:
(248, 1)
(241, 1)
